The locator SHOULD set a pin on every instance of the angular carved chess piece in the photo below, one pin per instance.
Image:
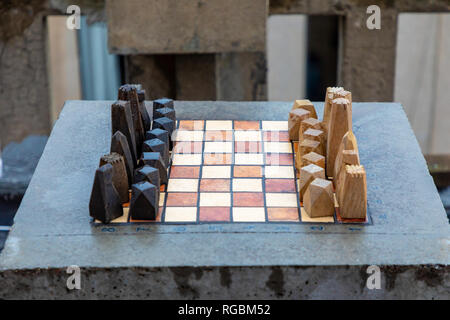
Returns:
(165, 112)
(307, 105)
(315, 135)
(351, 192)
(296, 117)
(162, 103)
(305, 147)
(153, 159)
(160, 134)
(144, 114)
(104, 204)
(147, 173)
(156, 145)
(307, 175)
(144, 204)
(119, 176)
(310, 123)
(119, 144)
(347, 154)
(318, 200)
(165, 124)
(329, 96)
(313, 158)
(128, 92)
(121, 120)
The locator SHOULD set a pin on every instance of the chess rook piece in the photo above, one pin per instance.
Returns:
(128, 92)
(296, 117)
(121, 120)
(153, 159)
(144, 204)
(165, 124)
(104, 204)
(351, 192)
(318, 200)
(307, 105)
(162, 103)
(310, 123)
(313, 158)
(340, 123)
(329, 96)
(156, 145)
(307, 175)
(119, 144)
(119, 176)
(305, 147)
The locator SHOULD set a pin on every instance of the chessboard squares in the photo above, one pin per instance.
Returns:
(306, 218)
(192, 125)
(215, 199)
(276, 136)
(248, 199)
(182, 185)
(184, 135)
(219, 125)
(279, 159)
(246, 125)
(217, 158)
(214, 214)
(279, 172)
(247, 185)
(221, 172)
(249, 158)
(282, 214)
(280, 185)
(249, 135)
(192, 172)
(249, 214)
(215, 185)
(188, 147)
(187, 159)
(162, 197)
(277, 147)
(275, 125)
(247, 171)
(248, 147)
(180, 214)
(218, 147)
(281, 200)
(218, 135)
(184, 199)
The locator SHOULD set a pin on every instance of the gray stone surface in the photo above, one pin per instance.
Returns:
(409, 235)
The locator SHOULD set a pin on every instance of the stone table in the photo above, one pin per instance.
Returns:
(409, 238)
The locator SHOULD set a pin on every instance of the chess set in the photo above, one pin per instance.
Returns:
(160, 170)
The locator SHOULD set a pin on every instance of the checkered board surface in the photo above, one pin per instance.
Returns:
(232, 172)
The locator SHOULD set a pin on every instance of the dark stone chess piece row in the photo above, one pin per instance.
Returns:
(138, 158)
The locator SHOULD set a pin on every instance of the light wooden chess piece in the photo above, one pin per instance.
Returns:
(347, 154)
(305, 147)
(296, 116)
(316, 135)
(310, 123)
(318, 200)
(351, 192)
(329, 96)
(313, 158)
(307, 175)
(307, 105)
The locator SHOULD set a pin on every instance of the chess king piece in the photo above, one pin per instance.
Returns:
(313, 158)
(310, 123)
(104, 204)
(119, 144)
(119, 175)
(144, 114)
(296, 117)
(121, 120)
(165, 124)
(153, 159)
(351, 192)
(318, 200)
(305, 147)
(340, 123)
(162, 103)
(156, 145)
(307, 175)
(128, 92)
(307, 105)
(144, 204)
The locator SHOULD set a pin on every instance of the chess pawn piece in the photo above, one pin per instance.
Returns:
(165, 112)
(310, 123)
(119, 144)
(318, 200)
(307, 105)
(340, 123)
(165, 124)
(162, 103)
(160, 134)
(305, 147)
(296, 116)
(156, 145)
(128, 92)
(121, 120)
(119, 175)
(153, 159)
(144, 204)
(351, 192)
(147, 173)
(307, 175)
(104, 204)
(315, 135)
(313, 158)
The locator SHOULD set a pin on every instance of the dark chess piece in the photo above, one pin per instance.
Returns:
(153, 159)
(160, 134)
(156, 145)
(122, 120)
(119, 177)
(165, 112)
(104, 204)
(147, 173)
(165, 124)
(128, 92)
(144, 114)
(144, 203)
(162, 103)
(119, 144)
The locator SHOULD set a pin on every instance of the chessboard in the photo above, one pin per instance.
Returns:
(229, 171)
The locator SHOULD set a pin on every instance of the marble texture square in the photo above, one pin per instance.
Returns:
(279, 172)
(248, 199)
(256, 214)
(275, 125)
(183, 185)
(219, 125)
(281, 200)
(182, 199)
(214, 214)
(247, 135)
(193, 125)
(248, 147)
(306, 218)
(280, 185)
(185, 135)
(215, 199)
(246, 125)
(180, 214)
(218, 147)
(217, 158)
(279, 159)
(187, 147)
(218, 135)
(185, 172)
(187, 159)
(215, 185)
(282, 214)
(277, 147)
(247, 185)
(223, 172)
(276, 136)
(247, 171)
(249, 158)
